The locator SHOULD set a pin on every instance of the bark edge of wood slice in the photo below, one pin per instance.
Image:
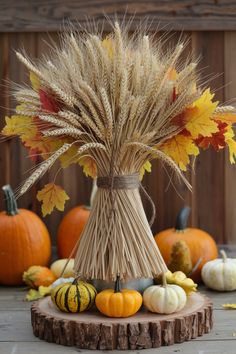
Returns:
(91, 330)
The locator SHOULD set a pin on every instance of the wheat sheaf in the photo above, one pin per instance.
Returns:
(119, 102)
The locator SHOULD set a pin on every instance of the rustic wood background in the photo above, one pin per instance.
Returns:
(210, 27)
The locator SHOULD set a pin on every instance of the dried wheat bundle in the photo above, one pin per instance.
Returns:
(112, 105)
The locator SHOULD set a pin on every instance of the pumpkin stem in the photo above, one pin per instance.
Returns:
(182, 219)
(224, 255)
(10, 201)
(117, 284)
(164, 282)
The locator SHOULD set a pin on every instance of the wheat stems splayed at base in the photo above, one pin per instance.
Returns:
(120, 241)
(112, 105)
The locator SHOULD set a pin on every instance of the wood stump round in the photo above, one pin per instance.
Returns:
(91, 330)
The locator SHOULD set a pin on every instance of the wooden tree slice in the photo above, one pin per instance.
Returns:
(91, 330)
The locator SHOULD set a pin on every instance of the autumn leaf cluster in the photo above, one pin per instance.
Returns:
(120, 101)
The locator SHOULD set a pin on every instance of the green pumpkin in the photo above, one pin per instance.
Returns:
(74, 297)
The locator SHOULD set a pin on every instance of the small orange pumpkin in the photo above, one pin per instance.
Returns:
(70, 229)
(201, 245)
(118, 303)
(24, 241)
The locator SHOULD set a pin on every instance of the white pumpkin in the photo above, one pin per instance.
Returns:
(220, 274)
(165, 299)
(58, 266)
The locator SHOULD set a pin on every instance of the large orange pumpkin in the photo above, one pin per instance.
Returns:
(202, 246)
(70, 229)
(24, 241)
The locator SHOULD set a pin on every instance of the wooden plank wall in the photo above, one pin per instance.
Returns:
(213, 178)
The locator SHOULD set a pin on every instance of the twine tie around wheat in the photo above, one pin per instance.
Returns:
(131, 181)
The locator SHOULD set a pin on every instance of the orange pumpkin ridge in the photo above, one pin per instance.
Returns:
(24, 241)
(70, 230)
(200, 243)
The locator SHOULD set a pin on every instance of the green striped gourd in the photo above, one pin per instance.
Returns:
(74, 297)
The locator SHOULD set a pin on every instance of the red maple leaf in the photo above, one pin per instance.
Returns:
(174, 94)
(217, 140)
(48, 102)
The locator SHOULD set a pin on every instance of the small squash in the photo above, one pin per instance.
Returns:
(220, 274)
(165, 299)
(201, 245)
(180, 279)
(58, 266)
(118, 303)
(36, 276)
(77, 296)
(180, 258)
(24, 241)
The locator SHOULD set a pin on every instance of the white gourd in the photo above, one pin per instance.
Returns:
(220, 274)
(165, 299)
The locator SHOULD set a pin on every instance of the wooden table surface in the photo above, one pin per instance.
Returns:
(16, 335)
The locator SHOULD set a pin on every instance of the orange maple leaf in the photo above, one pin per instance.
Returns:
(52, 196)
(217, 140)
(227, 117)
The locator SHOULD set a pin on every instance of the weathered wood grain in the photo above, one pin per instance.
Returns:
(230, 170)
(209, 177)
(178, 15)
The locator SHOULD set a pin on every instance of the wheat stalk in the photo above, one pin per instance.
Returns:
(40, 171)
(73, 132)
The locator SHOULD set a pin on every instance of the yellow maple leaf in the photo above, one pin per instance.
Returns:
(109, 46)
(179, 148)
(146, 167)
(199, 116)
(52, 196)
(69, 157)
(229, 135)
(22, 126)
(38, 294)
(89, 166)
(35, 82)
(33, 295)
